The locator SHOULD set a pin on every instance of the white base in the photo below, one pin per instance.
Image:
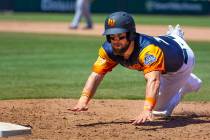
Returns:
(9, 129)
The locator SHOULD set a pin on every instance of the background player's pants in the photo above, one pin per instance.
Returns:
(176, 84)
(82, 9)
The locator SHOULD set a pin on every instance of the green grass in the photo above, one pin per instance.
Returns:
(99, 18)
(57, 66)
(40, 66)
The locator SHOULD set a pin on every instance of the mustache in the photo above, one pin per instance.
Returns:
(117, 44)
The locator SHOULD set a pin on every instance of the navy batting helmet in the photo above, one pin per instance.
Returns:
(120, 22)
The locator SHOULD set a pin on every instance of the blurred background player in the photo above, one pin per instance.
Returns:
(82, 9)
(166, 61)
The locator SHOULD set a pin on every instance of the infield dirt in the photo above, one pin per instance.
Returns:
(191, 33)
(105, 119)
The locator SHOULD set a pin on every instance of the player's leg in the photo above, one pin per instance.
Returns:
(87, 14)
(172, 84)
(169, 96)
(193, 85)
(78, 14)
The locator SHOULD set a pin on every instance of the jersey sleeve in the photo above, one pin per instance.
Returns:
(103, 64)
(152, 59)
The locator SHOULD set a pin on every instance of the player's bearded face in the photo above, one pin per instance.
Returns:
(119, 43)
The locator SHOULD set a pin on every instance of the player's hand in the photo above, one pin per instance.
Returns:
(81, 105)
(143, 117)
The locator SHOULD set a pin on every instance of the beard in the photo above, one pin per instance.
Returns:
(120, 49)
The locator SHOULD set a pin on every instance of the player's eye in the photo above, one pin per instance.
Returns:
(120, 38)
(112, 38)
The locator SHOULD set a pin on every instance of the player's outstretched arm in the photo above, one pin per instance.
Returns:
(88, 92)
(152, 88)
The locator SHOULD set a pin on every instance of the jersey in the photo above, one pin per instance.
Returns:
(160, 53)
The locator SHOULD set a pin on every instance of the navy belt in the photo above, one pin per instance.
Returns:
(185, 55)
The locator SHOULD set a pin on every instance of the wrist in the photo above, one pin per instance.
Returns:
(86, 94)
(149, 103)
(84, 100)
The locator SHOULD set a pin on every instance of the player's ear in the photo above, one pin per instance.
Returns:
(128, 36)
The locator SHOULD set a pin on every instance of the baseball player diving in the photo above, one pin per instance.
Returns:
(166, 61)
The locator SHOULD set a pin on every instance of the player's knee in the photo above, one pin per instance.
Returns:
(196, 83)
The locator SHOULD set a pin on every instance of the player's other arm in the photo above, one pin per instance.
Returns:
(102, 65)
(88, 91)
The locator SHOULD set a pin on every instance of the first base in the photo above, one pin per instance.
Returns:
(9, 129)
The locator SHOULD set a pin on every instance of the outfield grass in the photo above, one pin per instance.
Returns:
(99, 18)
(52, 66)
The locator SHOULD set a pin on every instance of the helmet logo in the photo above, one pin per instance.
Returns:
(111, 22)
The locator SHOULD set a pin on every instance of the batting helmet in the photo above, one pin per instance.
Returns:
(120, 22)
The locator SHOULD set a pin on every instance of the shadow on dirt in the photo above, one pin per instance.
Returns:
(103, 123)
(178, 120)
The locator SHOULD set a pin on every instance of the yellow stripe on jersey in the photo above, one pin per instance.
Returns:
(103, 64)
(152, 59)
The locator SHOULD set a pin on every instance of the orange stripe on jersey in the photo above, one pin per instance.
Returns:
(152, 59)
(103, 64)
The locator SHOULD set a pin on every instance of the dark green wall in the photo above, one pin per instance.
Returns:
(108, 6)
(153, 6)
(27, 5)
(6, 5)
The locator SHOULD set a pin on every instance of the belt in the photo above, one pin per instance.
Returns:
(185, 55)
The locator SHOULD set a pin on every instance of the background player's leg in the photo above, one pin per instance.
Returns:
(78, 14)
(87, 14)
